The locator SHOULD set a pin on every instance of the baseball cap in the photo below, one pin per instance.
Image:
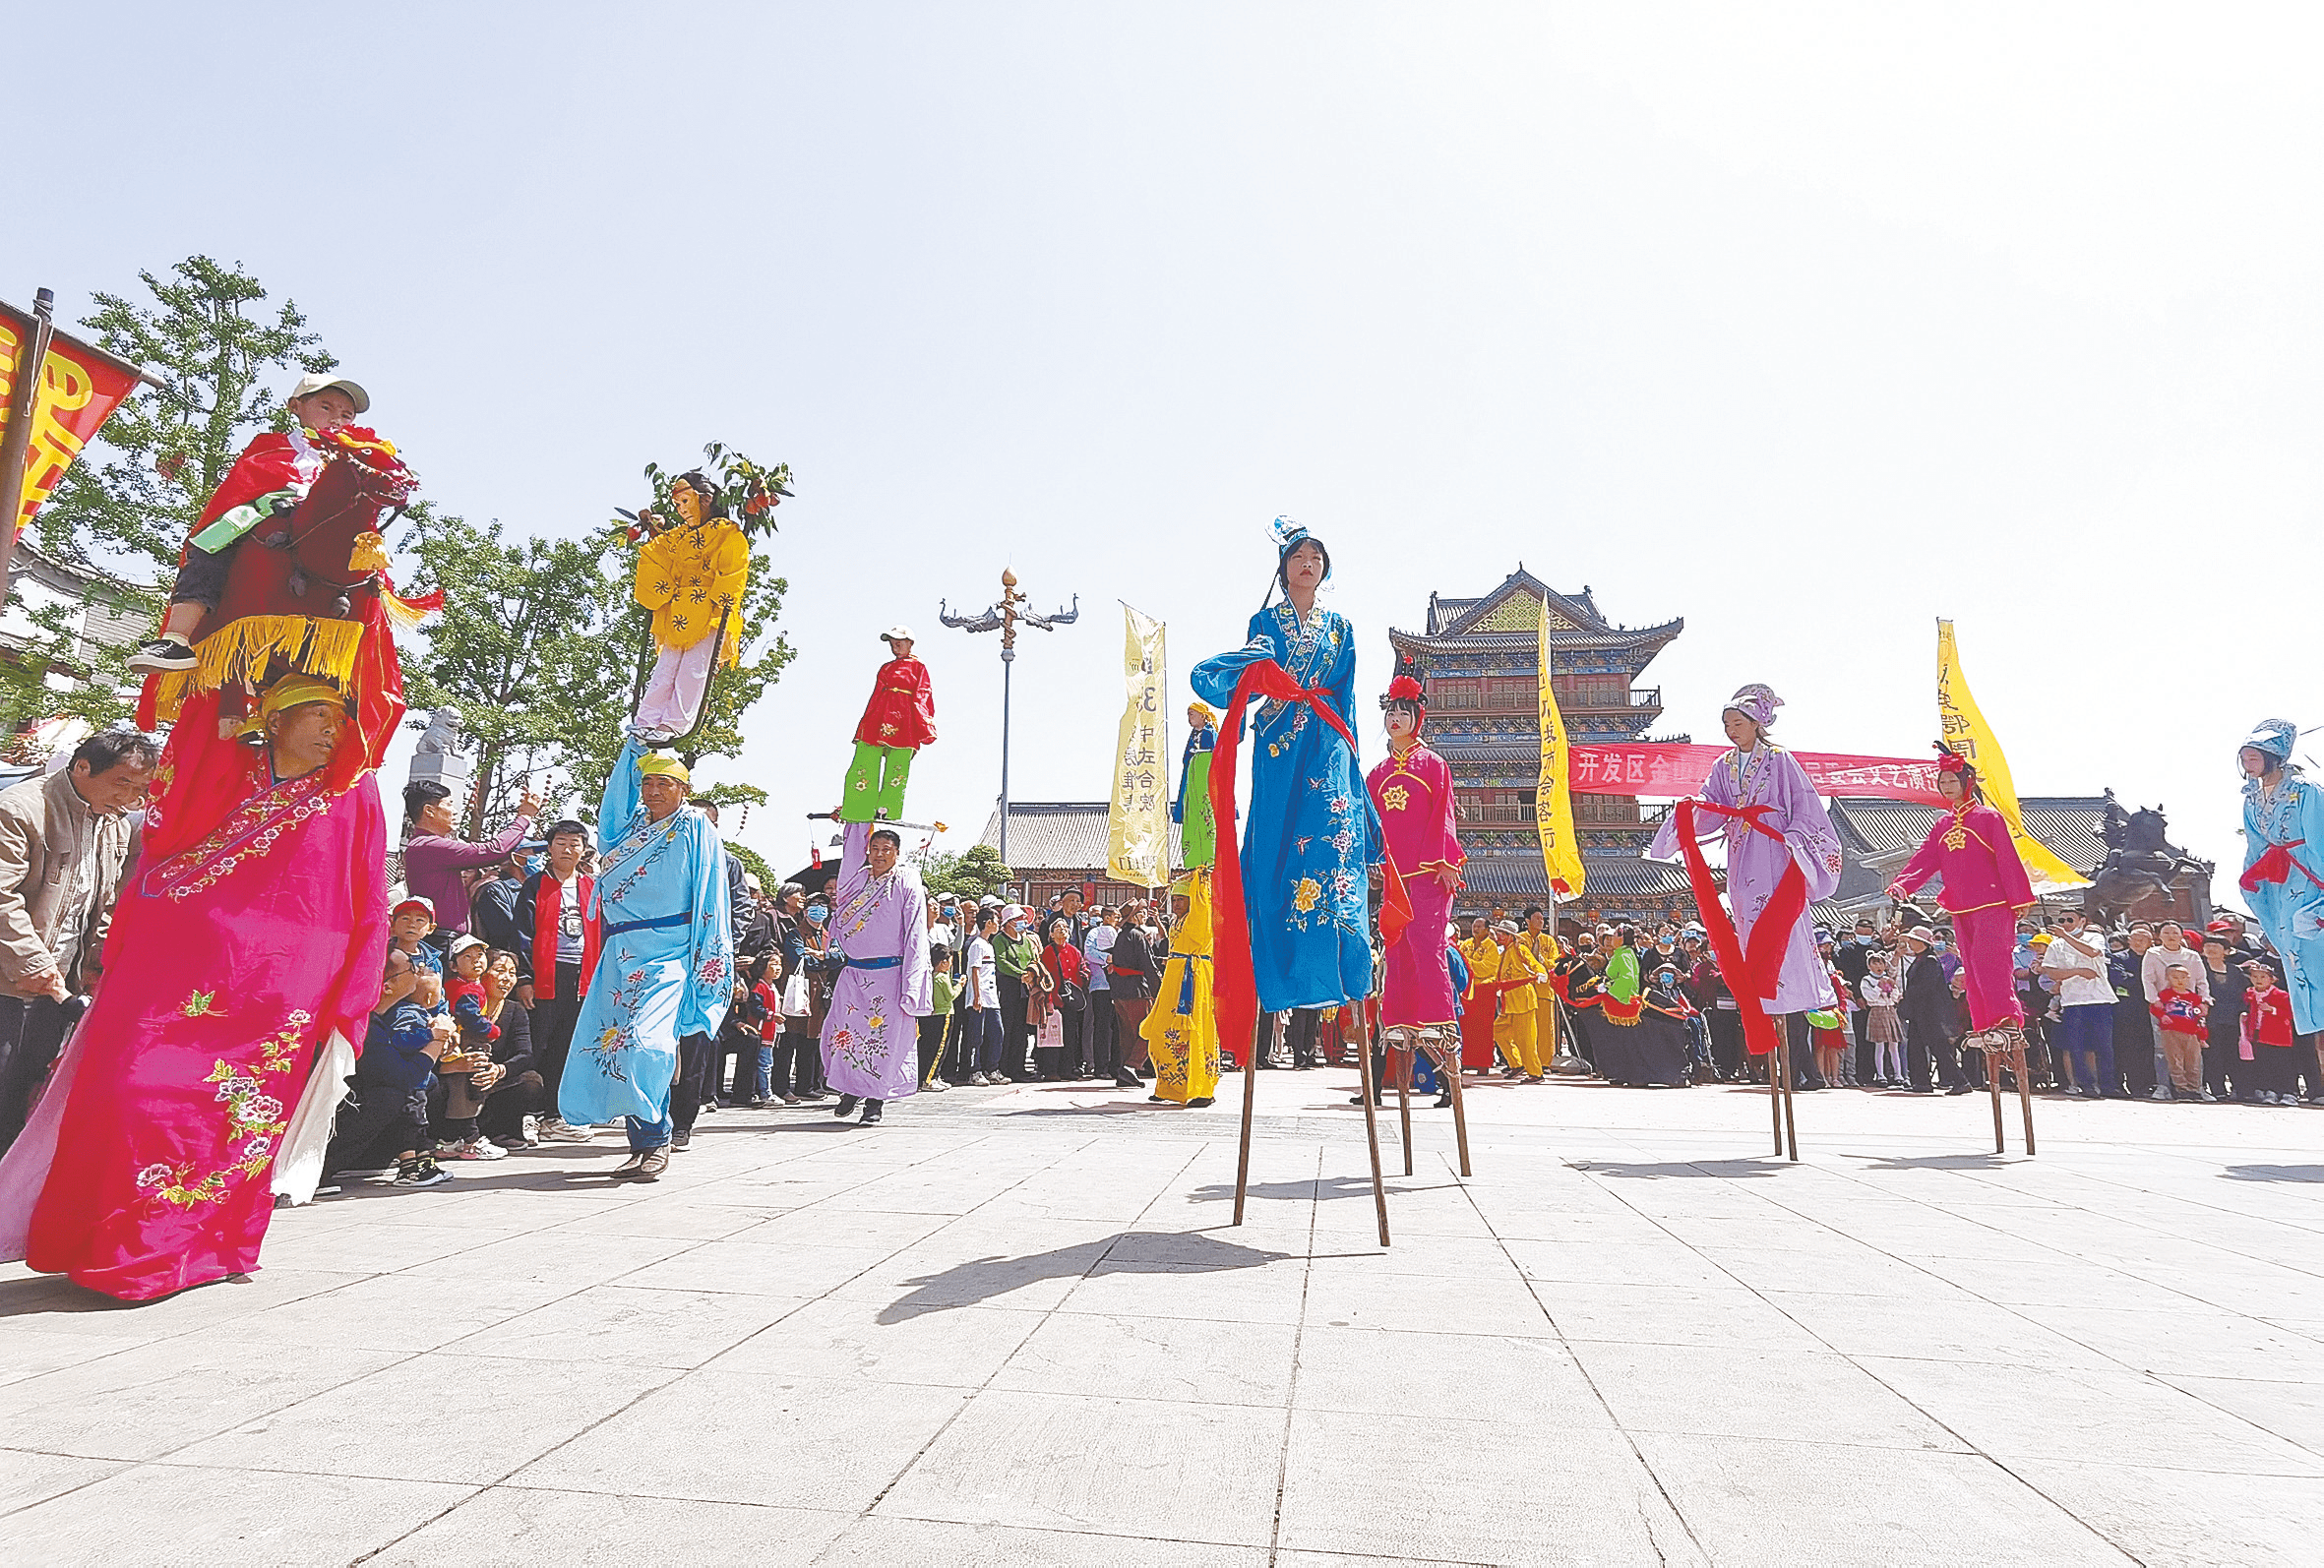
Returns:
(324, 380)
(425, 906)
(900, 633)
(463, 942)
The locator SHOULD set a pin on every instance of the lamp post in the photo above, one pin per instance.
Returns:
(1003, 616)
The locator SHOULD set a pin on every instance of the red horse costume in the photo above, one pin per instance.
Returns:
(246, 953)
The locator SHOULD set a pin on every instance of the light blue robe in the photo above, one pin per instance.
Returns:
(2289, 910)
(1311, 838)
(666, 966)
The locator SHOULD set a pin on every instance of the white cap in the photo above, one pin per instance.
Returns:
(896, 634)
(321, 380)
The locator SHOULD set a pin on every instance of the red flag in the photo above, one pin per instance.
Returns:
(81, 387)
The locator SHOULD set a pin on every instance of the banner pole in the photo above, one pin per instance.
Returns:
(16, 446)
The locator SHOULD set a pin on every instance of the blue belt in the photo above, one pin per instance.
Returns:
(854, 962)
(683, 918)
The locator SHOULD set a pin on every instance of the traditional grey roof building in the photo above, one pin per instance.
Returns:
(1480, 661)
(1054, 845)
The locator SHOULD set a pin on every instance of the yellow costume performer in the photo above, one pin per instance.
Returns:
(1544, 951)
(1182, 1034)
(691, 577)
(1518, 974)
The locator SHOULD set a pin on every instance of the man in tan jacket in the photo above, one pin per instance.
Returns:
(65, 840)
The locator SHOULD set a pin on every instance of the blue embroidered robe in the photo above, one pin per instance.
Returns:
(2290, 911)
(666, 967)
(1311, 838)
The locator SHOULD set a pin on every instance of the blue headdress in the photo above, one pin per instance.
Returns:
(1288, 536)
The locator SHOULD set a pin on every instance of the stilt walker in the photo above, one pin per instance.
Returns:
(1986, 889)
(1411, 789)
(1782, 854)
(899, 721)
(1292, 919)
(692, 576)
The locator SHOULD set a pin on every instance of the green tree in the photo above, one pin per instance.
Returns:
(126, 505)
(971, 873)
(756, 864)
(519, 650)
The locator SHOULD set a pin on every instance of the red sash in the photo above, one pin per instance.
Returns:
(548, 911)
(2276, 864)
(1234, 989)
(1752, 978)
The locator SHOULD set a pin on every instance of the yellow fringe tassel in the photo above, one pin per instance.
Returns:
(249, 651)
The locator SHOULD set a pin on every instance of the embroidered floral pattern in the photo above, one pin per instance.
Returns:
(255, 1119)
(250, 833)
(1305, 894)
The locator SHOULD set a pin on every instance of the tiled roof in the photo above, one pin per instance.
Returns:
(1501, 642)
(1607, 881)
(1056, 835)
(2068, 824)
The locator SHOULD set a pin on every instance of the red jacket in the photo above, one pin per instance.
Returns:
(902, 709)
(541, 910)
(2268, 1015)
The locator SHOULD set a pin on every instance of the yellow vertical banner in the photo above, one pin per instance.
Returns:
(1964, 729)
(1552, 802)
(1138, 826)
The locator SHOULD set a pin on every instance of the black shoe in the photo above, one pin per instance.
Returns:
(1145, 1072)
(1127, 1080)
(162, 656)
(1444, 1101)
(873, 1109)
(845, 1108)
(1199, 1101)
(682, 1137)
(1961, 1088)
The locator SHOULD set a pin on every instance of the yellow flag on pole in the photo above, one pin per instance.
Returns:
(1138, 827)
(1552, 802)
(1964, 730)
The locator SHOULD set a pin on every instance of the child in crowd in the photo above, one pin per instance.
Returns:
(2178, 1008)
(1879, 995)
(408, 926)
(943, 992)
(2267, 1022)
(404, 1038)
(465, 1073)
(2228, 1070)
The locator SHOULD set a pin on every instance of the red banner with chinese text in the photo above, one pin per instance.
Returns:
(81, 387)
(1669, 769)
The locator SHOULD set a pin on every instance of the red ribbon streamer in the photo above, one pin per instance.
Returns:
(1234, 987)
(1751, 979)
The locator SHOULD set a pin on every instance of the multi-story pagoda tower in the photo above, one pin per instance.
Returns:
(1478, 660)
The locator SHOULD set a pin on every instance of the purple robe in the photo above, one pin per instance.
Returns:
(1756, 863)
(872, 1033)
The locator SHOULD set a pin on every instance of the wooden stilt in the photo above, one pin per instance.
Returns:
(2025, 1094)
(1994, 1083)
(1380, 1189)
(1404, 1106)
(1791, 1120)
(1461, 1117)
(1249, 1101)
(1775, 1093)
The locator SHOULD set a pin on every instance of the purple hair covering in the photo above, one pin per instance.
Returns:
(1755, 702)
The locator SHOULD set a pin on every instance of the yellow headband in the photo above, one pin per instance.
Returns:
(657, 763)
(1204, 708)
(297, 690)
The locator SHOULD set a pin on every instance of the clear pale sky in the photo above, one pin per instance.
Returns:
(1809, 324)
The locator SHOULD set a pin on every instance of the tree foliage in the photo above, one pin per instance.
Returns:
(971, 873)
(124, 509)
(518, 649)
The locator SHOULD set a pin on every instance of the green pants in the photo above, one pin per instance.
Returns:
(1196, 840)
(876, 782)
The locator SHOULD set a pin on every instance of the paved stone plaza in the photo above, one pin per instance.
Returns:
(1014, 1327)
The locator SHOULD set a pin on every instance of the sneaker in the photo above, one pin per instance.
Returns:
(479, 1150)
(654, 1162)
(2162, 1092)
(682, 1138)
(2206, 1095)
(162, 656)
(529, 1136)
(936, 1086)
(790, 1100)
(872, 1113)
(422, 1171)
(845, 1108)
(557, 1131)
(976, 1080)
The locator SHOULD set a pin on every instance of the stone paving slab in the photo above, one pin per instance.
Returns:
(1015, 1326)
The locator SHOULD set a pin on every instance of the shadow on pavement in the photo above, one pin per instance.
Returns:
(1715, 1170)
(974, 1283)
(2273, 1173)
(1356, 1186)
